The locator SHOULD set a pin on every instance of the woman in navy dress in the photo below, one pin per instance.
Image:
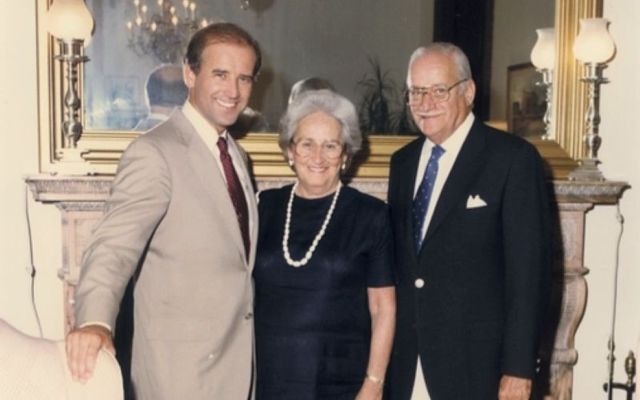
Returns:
(325, 296)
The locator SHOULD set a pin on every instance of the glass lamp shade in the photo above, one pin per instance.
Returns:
(543, 55)
(70, 19)
(594, 44)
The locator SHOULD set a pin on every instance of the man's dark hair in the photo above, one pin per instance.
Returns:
(223, 32)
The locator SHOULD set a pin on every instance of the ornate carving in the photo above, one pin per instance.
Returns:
(605, 192)
(69, 189)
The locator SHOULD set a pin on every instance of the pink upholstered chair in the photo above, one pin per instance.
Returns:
(36, 369)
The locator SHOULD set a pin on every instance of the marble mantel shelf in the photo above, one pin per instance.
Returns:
(55, 188)
(81, 200)
(68, 188)
(605, 192)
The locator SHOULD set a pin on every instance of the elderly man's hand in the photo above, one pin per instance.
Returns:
(83, 345)
(514, 388)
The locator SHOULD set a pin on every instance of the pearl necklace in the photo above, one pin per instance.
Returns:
(316, 240)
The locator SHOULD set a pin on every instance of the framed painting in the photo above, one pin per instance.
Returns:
(526, 103)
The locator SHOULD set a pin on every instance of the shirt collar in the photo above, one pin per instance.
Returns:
(453, 143)
(202, 126)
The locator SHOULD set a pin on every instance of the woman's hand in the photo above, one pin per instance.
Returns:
(370, 391)
(382, 308)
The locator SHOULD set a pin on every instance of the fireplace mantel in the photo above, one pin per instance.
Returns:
(80, 200)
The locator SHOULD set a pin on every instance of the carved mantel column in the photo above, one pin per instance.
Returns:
(574, 200)
(81, 198)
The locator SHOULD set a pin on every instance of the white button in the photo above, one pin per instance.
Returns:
(210, 356)
(248, 316)
(419, 283)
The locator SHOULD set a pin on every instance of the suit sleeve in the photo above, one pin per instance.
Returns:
(139, 198)
(527, 255)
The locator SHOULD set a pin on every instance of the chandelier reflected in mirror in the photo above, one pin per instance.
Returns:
(162, 29)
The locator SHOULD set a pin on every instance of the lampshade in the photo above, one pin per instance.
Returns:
(543, 55)
(70, 19)
(594, 43)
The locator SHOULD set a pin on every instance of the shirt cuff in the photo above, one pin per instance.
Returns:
(102, 324)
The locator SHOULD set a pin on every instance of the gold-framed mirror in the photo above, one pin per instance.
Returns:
(105, 146)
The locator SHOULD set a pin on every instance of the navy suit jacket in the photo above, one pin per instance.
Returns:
(486, 269)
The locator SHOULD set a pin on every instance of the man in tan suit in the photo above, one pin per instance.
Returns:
(182, 218)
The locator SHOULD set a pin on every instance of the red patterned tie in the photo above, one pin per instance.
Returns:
(235, 192)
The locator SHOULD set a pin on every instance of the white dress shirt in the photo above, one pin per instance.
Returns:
(452, 147)
(206, 133)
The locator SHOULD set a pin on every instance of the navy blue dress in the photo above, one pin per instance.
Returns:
(313, 327)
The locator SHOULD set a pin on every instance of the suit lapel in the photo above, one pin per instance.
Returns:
(406, 189)
(204, 166)
(465, 169)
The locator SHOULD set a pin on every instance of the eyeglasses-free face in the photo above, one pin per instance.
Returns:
(222, 87)
(437, 93)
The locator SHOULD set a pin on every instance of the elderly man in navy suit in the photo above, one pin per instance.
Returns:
(470, 216)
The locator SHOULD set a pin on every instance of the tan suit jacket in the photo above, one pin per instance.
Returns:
(170, 214)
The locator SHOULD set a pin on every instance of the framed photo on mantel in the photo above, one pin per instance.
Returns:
(526, 103)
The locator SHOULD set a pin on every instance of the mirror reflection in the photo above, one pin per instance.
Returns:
(360, 47)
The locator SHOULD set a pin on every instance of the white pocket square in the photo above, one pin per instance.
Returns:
(475, 202)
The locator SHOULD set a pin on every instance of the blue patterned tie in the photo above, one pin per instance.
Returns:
(421, 201)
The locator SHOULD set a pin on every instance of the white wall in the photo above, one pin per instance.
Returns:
(619, 153)
(620, 161)
(19, 157)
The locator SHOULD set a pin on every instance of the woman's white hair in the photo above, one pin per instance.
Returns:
(330, 103)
